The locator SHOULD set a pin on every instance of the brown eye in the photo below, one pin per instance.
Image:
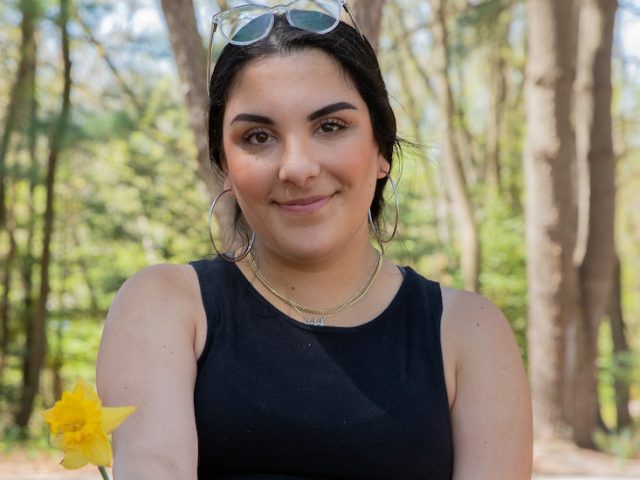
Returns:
(331, 126)
(258, 137)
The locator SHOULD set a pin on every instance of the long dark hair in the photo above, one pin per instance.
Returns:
(348, 47)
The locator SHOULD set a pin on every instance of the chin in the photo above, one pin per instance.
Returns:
(306, 249)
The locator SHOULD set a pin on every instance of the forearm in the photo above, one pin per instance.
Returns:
(145, 465)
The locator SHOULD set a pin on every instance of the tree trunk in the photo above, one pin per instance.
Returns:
(368, 14)
(21, 91)
(37, 334)
(497, 99)
(550, 205)
(191, 60)
(620, 351)
(27, 260)
(5, 331)
(451, 160)
(596, 206)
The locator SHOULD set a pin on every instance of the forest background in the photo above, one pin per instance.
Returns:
(523, 184)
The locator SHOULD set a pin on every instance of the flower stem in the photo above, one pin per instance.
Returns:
(103, 472)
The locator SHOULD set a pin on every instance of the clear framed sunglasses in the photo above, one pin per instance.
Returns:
(250, 23)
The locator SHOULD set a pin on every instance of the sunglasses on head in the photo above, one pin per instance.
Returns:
(247, 24)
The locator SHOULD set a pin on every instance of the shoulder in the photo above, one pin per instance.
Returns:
(166, 277)
(469, 320)
(475, 334)
(162, 297)
(484, 369)
(158, 285)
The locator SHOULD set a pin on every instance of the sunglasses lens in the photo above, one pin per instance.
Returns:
(318, 16)
(244, 25)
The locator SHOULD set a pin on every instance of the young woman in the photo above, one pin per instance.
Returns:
(305, 353)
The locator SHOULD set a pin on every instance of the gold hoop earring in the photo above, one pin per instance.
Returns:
(226, 256)
(372, 224)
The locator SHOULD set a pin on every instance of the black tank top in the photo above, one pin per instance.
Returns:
(278, 399)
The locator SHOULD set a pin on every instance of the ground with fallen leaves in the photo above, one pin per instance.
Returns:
(550, 459)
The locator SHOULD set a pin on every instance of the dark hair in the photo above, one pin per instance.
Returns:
(352, 51)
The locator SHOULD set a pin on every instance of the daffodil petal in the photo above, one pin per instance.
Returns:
(73, 460)
(114, 416)
(87, 390)
(98, 450)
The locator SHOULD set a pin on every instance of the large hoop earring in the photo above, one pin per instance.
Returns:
(372, 224)
(226, 256)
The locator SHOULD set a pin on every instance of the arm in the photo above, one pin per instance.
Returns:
(491, 411)
(148, 358)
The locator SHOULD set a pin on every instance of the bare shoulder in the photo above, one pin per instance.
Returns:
(488, 387)
(470, 319)
(148, 358)
(158, 284)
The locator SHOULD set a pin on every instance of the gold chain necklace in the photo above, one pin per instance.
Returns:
(320, 311)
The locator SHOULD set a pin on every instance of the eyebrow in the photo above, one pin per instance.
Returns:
(252, 117)
(334, 107)
(329, 109)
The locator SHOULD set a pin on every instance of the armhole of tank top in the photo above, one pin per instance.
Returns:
(208, 303)
(440, 295)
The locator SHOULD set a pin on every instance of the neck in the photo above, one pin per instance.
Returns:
(316, 284)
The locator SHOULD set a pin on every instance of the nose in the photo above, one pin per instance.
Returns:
(298, 164)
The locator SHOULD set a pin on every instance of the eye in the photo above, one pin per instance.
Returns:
(257, 136)
(331, 125)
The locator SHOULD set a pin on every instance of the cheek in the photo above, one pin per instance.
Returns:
(360, 160)
(248, 178)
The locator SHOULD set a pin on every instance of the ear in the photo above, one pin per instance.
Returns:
(384, 169)
(228, 185)
(223, 163)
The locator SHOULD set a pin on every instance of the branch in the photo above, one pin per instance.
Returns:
(102, 51)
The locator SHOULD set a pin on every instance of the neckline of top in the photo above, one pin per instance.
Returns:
(251, 289)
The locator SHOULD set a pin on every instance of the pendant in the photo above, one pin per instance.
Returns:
(317, 321)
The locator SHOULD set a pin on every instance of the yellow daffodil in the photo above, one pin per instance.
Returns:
(80, 424)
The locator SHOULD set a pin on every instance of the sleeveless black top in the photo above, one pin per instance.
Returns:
(278, 399)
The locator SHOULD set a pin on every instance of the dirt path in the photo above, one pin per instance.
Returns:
(567, 459)
(557, 461)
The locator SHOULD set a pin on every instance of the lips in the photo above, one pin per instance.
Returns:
(305, 205)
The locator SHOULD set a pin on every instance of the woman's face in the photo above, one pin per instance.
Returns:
(300, 155)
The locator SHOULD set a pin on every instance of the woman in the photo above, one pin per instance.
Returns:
(305, 353)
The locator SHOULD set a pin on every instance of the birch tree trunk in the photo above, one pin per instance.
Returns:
(596, 206)
(452, 164)
(37, 333)
(550, 205)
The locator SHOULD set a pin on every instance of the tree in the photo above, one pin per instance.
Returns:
(20, 116)
(368, 14)
(620, 351)
(36, 331)
(452, 162)
(190, 56)
(22, 91)
(594, 253)
(550, 205)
